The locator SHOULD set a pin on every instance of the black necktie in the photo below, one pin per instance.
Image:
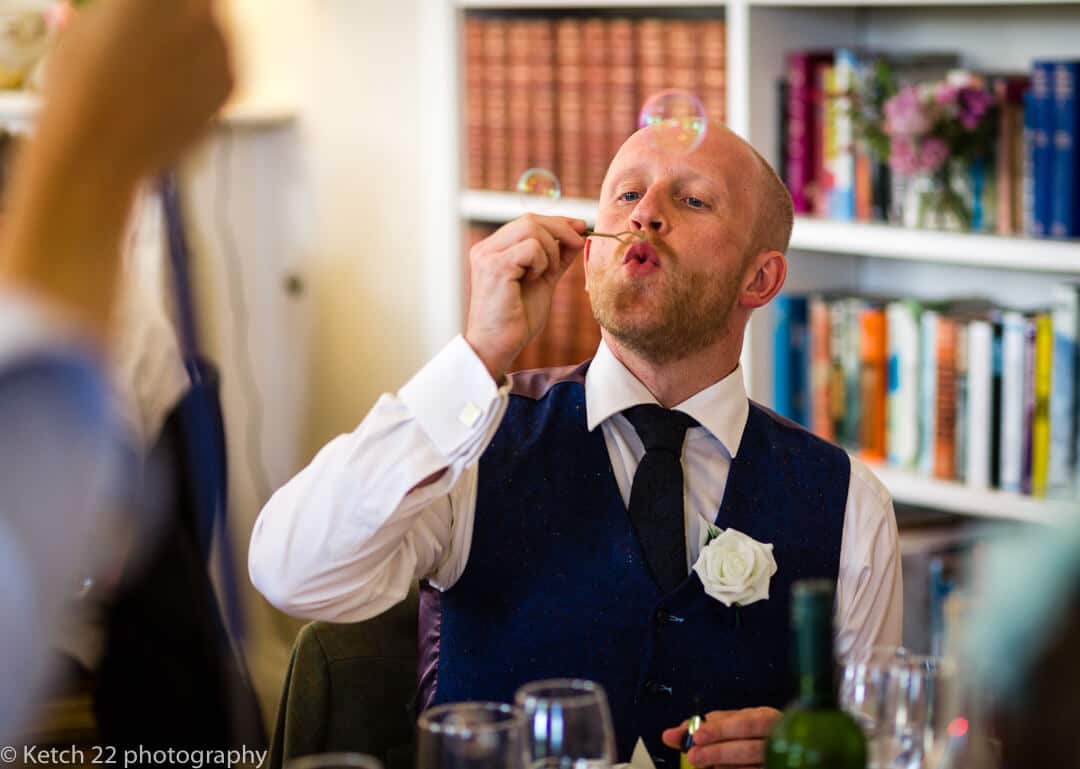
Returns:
(656, 497)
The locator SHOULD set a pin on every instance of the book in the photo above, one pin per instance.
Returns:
(474, 101)
(1042, 148)
(1064, 201)
(569, 105)
(496, 106)
(978, 454)
(1028, 178)
(1012, 401)
(902, 331)
(1040, 420)
(960, 437)
(851, 362)
(1009, 95)
(874, 382)
(928, 380)
(821, 419)
(597, 130)
(790, 358)
(824, 169)
(842, 160)
(945, 352)
(1027, 455)
(1065, 312)
(803, 104)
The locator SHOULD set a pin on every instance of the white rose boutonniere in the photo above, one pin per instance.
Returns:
(735, 569)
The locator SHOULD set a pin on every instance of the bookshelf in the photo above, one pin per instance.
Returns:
(999, 35)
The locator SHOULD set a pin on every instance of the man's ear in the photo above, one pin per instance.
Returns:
(768, 271)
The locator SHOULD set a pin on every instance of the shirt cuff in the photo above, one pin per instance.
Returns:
(453, 396)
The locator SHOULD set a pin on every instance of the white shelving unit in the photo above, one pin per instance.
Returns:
(19, 108)
(999, 35)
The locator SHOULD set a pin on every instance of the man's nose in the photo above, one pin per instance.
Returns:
(648, 215)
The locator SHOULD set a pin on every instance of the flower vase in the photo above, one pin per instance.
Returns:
(939, 201)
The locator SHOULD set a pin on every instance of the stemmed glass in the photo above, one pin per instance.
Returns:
(568, 724)
(471, 735)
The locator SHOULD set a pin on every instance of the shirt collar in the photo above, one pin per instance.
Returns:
(721, 408)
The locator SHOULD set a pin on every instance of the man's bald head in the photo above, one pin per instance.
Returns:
(746, 175)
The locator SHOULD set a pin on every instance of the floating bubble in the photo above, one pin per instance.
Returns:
(678, 121)
(538, 189)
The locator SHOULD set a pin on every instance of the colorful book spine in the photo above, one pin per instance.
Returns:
(1043, 130)
(824, 179)
(1028, 184)
(1063, 403)
(960, 434)
(874, 390)
(821, 421)
(1040, 422)
(624, 104)
(902, 326)
(944, 450)
(928, 379)
(790, 362)
(980, 404)
(1064, 220)
(842, 162)
(851, 360)
(1012, 401)
(838, 395)
(1027, 456)
(802, 151)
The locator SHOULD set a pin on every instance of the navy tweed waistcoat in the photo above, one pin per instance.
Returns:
(556, 584)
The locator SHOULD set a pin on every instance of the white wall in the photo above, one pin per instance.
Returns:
(337, 199)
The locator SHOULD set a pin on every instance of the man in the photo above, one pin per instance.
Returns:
(132, 84)
(548, 541)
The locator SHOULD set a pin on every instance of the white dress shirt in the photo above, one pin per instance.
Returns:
(346, 538)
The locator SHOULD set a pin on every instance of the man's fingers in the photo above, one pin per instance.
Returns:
(673, 737)
(528, 255)
(736, 725)
(566, 231)
(728, 753)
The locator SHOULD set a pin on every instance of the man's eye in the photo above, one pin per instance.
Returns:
(630, 197)
(695, 202)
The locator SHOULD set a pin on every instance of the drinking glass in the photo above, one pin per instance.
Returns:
(471, 735)
(568, 724)
(335, 761)
(919, 710)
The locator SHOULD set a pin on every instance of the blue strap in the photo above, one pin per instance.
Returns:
(201, 413)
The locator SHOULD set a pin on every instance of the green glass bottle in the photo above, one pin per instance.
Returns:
(814, 732)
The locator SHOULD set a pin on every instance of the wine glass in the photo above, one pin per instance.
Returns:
(568, 723)
(863, 691)
(919, 704)
(471, 735)
(335, 761)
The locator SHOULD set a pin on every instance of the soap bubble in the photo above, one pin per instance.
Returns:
(538, 189)
(678, 121)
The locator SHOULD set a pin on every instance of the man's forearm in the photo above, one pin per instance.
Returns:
(63, 233)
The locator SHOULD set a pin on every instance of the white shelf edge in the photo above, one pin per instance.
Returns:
(958, 248)
(903, 3)
(584, 4)
(911, 488)
(19, 108)
(501, 207)
(873, 240)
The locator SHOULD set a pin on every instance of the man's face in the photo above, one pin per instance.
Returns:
(673, 294)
